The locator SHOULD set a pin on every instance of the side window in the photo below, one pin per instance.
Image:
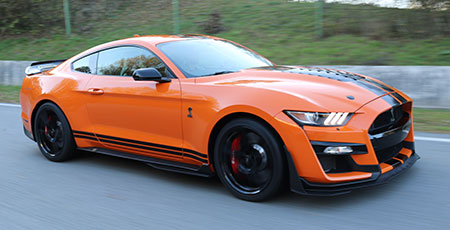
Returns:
(122, 61)
(86, 64)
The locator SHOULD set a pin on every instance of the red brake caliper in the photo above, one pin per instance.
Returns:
(45, 127)
(235, 146)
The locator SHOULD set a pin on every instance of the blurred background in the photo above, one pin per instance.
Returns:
(332, 32)
(405, 43)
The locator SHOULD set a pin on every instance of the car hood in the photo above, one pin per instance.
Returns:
(323, 89)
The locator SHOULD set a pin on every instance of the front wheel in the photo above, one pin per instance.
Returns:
(53, 134)
(248, 160)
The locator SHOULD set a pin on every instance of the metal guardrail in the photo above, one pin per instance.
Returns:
(429, 86)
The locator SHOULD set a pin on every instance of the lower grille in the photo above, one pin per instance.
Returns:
(388, 153)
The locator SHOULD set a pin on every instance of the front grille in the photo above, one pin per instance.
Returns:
(386, 154)
(388, 131)
(389, 119)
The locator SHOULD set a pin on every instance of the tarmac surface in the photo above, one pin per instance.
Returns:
(102, 192)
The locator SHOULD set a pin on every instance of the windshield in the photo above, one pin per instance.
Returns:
(206, 57)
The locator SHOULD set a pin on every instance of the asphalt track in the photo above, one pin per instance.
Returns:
(102, 192)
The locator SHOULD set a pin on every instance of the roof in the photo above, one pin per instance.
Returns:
(156, 39)
(152, 40)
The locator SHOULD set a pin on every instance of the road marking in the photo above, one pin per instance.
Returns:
(432, 139)
(416, 137)
(10, 105)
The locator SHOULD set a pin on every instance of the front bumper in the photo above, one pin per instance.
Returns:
(301, 186)
(379, 154)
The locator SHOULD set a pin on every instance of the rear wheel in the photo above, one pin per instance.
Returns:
(53, 133)
(248, 160)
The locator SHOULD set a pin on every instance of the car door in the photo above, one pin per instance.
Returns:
(134, 116)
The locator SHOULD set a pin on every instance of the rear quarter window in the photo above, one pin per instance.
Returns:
(86, 64)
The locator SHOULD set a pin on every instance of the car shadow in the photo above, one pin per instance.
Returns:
(214, 186)
(369, 194)
(142, 169)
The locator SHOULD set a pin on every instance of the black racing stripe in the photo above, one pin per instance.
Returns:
(154, 149)
(132, 143)
(196, 153)
(384, 87)
(393, 162)
(84, 133)
(355, 79)
(372, 88)
(141, 147)
(195, 158)
(85, 137)
(332, 74)
(391, 100)
(140, 142)
(399, 97)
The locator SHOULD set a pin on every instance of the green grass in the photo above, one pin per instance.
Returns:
(9, 94)
(281, 31)
(297, 50)
(432, 120)
(425, 120)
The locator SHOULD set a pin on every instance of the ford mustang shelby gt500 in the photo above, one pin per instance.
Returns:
(208, 106)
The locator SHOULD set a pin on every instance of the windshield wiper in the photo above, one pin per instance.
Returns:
(218, 73)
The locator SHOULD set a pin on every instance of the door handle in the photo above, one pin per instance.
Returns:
(94, 91)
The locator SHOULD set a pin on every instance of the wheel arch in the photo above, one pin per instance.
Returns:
(229, 117)
(36, 108)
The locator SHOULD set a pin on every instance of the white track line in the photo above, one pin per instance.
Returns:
(432, 139)
(416, 137)
(10, 105)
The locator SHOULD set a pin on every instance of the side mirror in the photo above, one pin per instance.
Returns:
(149, 74)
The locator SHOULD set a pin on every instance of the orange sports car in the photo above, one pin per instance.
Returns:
(207, 106)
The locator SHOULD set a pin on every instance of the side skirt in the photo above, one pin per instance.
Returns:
(157, 163)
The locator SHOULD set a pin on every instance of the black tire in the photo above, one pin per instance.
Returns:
(53, 133)
(249, 161)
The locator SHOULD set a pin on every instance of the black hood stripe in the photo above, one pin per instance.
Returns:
(391, 100)
(373, 86)
(384, 87)
(392, 94)
(399, 97)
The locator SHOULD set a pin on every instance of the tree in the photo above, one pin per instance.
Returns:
(433, 4)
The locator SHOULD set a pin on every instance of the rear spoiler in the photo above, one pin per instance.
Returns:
(41, 66)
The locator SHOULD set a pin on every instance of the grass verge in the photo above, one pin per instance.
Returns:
(282, 31)
(9, 94)
(432, 120)
(425, 120)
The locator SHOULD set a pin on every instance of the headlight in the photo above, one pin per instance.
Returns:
(319, 119)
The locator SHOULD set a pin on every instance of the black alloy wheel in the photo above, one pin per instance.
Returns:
(248, 160)
(53, 134)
